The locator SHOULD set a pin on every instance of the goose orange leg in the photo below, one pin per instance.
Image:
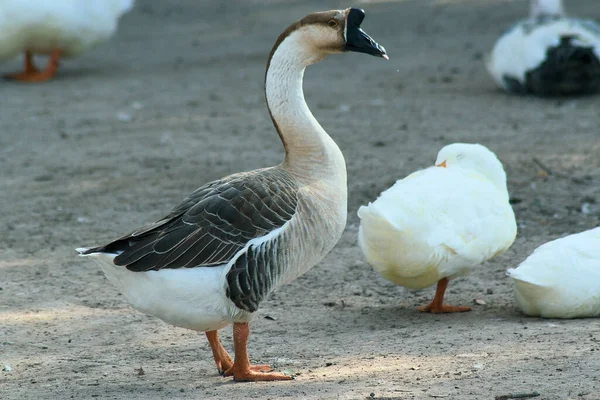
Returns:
(222, 358)
(32, 74)
(437, 304)
(241, 370)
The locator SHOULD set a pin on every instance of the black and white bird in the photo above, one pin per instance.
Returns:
(548, 54)
(214, 259)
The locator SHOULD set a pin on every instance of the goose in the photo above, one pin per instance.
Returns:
(216, 257)
(561, 278)
(440, 222)
(57, 28)
(548, 54)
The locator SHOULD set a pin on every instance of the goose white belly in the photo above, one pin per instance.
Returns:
(44, 25)
(192, 298)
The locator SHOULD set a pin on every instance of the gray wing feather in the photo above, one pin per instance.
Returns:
(211, 226)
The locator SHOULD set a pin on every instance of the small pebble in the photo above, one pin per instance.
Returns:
(124, 117)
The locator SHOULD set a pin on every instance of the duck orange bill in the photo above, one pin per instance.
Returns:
(357, 40)
(442, 164)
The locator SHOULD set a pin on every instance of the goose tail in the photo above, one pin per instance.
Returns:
(85, 251)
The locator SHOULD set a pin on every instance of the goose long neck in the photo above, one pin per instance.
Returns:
(309, 149)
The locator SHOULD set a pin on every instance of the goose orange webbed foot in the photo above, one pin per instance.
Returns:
(241, 370)
(252, 373)
(255, 368)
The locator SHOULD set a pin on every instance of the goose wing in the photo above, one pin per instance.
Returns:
(211, 225)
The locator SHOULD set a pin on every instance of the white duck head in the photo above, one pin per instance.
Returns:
(546, 8)
(473, 157)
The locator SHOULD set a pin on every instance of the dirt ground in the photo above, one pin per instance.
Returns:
(176, 100)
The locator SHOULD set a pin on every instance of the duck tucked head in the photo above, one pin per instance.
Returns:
(546, 8)
(322, 33)
(474, 157)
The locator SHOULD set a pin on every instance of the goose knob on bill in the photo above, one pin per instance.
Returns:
(440, 222)
(56, 28)
(215, 258)
(561, 279)
(548, 54)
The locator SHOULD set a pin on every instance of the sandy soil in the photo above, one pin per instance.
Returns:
(176, 100)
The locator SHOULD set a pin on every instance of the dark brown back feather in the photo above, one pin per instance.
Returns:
(212, 224)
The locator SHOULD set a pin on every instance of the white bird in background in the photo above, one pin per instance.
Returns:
(548, 54)
(561, 278)
(57, 28)
(440, 222)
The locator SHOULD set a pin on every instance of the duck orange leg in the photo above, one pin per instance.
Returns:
(241, 370)
(32, 74)
(437, 304)
(29, 68)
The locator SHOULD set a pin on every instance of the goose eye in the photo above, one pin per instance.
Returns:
(332, 23)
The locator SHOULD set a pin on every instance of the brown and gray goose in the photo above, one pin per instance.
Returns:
(214, 259)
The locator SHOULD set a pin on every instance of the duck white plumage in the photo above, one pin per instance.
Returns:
(561, 278)
(548, 53)
(57, 28)
(214, 259)
(440, 222)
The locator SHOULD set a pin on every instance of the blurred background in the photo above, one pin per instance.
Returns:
(175, 99)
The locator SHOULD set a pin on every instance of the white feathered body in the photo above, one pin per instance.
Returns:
(436, 223)
(523, 47)
(192, 298)
(195, 298)
(561, 278)
(44, 25)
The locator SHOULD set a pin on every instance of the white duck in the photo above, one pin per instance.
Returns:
(440, 222)
(548, 53)
(57, 28)
(218, 255)
(561, 278)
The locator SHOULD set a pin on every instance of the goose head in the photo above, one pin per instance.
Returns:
(546, 8)
(474, 157)
(322, 33)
